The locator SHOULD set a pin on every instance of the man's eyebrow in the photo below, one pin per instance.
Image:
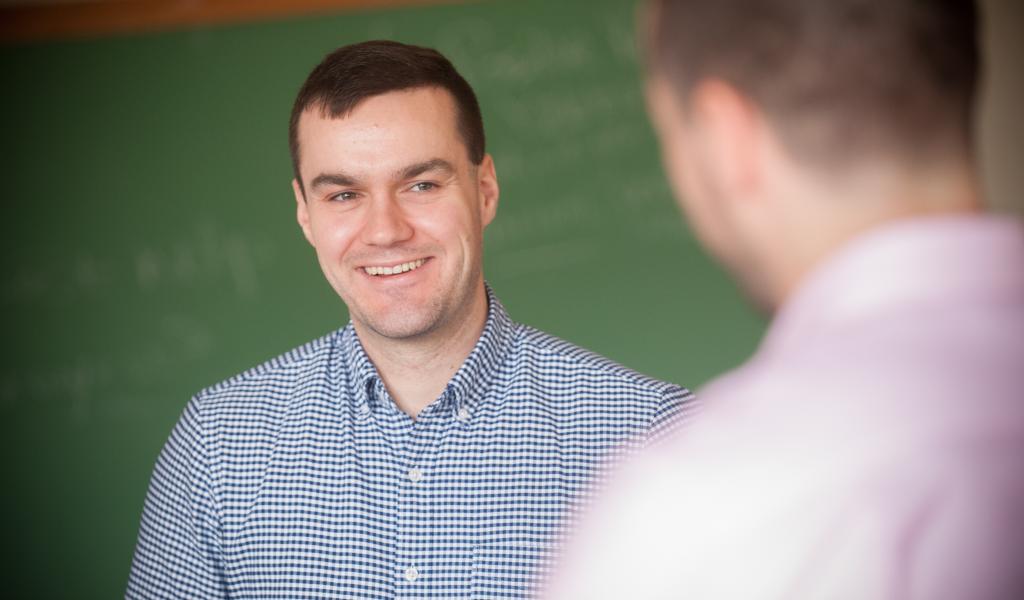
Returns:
(414, 170)
(434, 164)
(339, 179)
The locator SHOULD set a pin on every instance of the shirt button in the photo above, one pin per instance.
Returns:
(463, 414)
(415, 475)
(412, 574)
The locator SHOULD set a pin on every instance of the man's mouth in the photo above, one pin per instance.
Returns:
(379, 271)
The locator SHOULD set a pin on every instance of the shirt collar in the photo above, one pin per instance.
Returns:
(468, 384)
(359, 371)
(907, 263)
(471, 381)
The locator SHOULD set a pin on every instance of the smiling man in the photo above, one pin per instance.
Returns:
(431, 448)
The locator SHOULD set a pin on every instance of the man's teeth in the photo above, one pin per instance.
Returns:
(395, 270)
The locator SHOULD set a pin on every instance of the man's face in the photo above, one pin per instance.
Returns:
(396, 211)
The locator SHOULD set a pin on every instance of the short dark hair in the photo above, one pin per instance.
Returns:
(838, 79)
(353, 73)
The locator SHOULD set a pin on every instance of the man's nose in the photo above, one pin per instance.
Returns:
(386, 223)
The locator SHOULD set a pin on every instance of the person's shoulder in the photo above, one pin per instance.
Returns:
(561, 360)
(274, 379)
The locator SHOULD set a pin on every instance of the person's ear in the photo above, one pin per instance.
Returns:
(487, 183)
(732, 131)
(302, 212)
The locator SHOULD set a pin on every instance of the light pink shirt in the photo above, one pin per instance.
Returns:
(872, 448)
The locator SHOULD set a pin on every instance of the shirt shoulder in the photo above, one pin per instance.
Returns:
(558, 359)
(585, 389)
(273, 381)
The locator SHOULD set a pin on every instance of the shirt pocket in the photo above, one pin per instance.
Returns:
(510, 569)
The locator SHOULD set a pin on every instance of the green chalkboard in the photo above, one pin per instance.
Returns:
(149, 247)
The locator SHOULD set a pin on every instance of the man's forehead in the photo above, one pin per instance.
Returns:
(412, 124)
(431, 100)
(406, 113)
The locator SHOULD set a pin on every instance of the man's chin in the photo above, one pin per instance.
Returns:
(400, 324)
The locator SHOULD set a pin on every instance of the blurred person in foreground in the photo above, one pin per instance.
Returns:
(871, 448)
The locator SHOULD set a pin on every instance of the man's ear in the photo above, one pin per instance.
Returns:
(733, 130)
(487, 182)
(302, 212)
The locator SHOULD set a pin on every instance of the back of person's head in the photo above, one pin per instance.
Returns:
(838, 79)
(356, 72)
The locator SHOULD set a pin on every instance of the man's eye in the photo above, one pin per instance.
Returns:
(343, 196)
(423, 186)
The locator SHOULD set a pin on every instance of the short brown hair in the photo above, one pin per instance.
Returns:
(356, 72)
(840, 78)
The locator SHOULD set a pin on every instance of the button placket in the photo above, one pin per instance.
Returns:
(415, 498)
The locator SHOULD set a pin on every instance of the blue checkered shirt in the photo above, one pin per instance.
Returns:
(301, 478)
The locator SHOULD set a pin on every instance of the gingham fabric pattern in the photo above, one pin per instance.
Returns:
(302, 479)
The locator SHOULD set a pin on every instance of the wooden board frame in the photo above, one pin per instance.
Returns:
(70, 20)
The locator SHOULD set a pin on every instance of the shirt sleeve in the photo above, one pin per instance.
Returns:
(178, 552)
(676, 407)
(612, 554)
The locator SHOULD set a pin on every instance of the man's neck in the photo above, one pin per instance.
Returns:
(828, 225)
(416, 371)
